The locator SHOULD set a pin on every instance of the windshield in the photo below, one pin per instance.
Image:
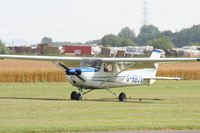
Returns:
(95, 63)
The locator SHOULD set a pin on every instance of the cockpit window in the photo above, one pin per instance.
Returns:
(91, 63)
(108, 67)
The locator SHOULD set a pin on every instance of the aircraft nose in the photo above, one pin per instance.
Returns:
(78, 72)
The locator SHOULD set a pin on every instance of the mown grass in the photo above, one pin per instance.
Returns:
(45, 107)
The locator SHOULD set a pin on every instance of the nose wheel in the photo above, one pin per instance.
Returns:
(78, 96)
(73, 95)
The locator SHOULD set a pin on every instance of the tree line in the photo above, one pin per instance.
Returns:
(148, 35)
(151, 35)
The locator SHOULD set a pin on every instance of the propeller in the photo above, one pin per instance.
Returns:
(66, 68)
(77, 73)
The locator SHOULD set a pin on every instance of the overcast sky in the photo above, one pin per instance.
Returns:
(82, 20)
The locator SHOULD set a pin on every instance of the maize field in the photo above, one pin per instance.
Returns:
(30, 71)
(186, 71)
(45, 71)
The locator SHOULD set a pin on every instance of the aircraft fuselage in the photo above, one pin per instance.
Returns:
(94, 79)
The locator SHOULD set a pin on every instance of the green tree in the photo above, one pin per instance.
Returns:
(3, 49)
(93, 42)
(46, 40)
(127, 42)
(147, 32)
(111, 40)
(126, 32)
(161, 43)
(116, 41)
(182, 38)
(194, 44)
(186, 36)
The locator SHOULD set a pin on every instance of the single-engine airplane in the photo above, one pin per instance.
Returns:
(106, 73)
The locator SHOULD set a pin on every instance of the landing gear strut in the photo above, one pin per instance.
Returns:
(122, 96)
(78, 96)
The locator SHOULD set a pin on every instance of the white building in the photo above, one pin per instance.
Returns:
(138, 50)
(96, 49)
(113, 50)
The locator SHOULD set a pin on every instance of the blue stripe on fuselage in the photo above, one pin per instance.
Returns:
(198, 59)
(84, 69)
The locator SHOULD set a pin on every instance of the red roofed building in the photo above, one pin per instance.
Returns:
(78, 49)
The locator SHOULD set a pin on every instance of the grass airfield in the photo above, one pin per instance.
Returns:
(46, 107)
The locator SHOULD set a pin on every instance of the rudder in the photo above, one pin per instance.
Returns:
(156, 54)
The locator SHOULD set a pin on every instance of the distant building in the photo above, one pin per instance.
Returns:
(96, 49)
(40, 47)
(105, 52)
(139, 50)
(191, 47)
(20, 49)
(50, 51)
(117, 51)
(77, 49)
(186, 51)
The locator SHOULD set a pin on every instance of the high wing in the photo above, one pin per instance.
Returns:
(59, 58)
(47, 58)
(69, 61)
(137, 63)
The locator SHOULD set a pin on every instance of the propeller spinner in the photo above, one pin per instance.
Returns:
(77, 72)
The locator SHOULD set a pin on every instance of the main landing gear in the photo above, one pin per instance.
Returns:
(78, 96)
(122, 95)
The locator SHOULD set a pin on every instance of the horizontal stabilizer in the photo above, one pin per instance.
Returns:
(165, 78)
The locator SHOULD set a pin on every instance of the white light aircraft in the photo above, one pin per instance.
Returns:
(106, 73)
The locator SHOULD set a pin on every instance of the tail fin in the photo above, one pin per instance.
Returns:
(156, 54)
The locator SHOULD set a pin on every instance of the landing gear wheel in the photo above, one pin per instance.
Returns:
(79, 97)
(73, 95)
(122, 97)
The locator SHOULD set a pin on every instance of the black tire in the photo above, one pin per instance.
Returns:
(79, 97)
(122, 97)
(73, 95)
